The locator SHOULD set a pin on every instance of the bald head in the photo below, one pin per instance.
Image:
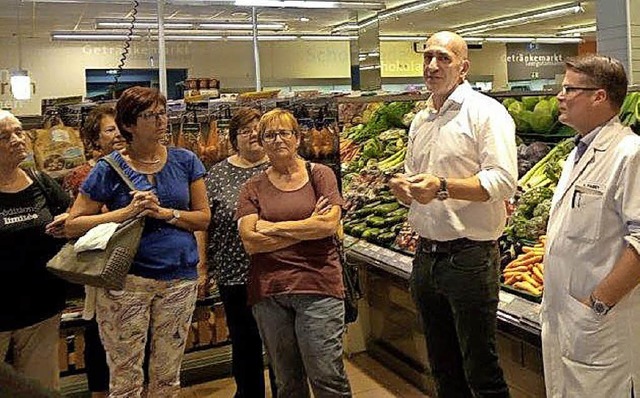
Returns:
(451, 41)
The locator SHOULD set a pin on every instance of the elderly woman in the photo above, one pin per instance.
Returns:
(101, 136)
(226, 256)
(295, 276)
(31, 227)
(161, 289)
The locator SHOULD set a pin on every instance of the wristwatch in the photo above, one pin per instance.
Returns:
(599, 307)
(175, 216)
(443, 192)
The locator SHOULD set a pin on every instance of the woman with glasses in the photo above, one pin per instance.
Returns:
(161, 288)
(226, 256)
(288, 216)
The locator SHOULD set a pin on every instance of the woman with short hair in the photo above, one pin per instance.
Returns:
(288, 216)
(160, 291)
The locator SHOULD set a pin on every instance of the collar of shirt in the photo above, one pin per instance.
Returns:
(456, 97)
(583, 142)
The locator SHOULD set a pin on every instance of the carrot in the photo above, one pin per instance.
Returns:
(527, 249)
(541, 267)
(520, 268)
(509, 274)
(526, 286)
(531, 260)
(537, 272)
(537, 279)
(533, 282)
(511, 280)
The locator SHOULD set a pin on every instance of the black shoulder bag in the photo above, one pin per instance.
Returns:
(351, 280)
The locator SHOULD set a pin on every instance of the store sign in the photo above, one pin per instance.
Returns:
(531, 61)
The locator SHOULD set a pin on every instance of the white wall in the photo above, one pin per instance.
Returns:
(58, 68)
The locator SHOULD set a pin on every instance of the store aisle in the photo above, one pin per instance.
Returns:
(369, 379)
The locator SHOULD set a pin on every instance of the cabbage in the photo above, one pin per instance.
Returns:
(530, 102)
(553, 101)
(508, 101)
(542, 119)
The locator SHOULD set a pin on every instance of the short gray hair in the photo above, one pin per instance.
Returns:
(6, 116)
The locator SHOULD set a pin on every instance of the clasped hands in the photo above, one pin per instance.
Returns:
(419, 187)
(146, 203)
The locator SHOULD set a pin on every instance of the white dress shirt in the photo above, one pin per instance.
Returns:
(472, 134)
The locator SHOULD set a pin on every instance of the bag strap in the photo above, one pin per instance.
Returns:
(307, 166)
(37, 178)
(116, 167)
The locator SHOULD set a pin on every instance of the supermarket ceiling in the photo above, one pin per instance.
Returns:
(479, 18)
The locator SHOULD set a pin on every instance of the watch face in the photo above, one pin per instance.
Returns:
(442, 195)
(600, 308)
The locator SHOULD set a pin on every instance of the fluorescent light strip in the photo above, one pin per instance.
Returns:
(241, 26)
(577, 30)
(89, 37)
(141, 25)
(286, 3)
(328, 38)
(262, 38)
(542, 40)
(193, 37)
(520, 19)
(418, 5)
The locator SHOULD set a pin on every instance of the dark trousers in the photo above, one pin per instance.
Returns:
(246, 344)
(457, 295)
(95, 359)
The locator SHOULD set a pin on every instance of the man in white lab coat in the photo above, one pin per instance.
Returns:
(591, 307)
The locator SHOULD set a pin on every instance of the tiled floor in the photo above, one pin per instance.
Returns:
(369, 379)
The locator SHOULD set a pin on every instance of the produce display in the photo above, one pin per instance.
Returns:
(373, 147)
(372, 212)
(526, 272)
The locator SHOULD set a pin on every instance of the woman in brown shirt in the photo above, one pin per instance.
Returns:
(295, 279)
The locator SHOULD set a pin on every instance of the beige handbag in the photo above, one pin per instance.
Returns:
(106, 268)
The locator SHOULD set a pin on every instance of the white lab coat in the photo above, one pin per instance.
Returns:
(595, 215)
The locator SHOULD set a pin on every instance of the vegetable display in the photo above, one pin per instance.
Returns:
(526, 272)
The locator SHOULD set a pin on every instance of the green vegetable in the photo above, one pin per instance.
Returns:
(363, 212)
(402, 211)
(530, 102)
(376, 221)
(358, 229)
(542, 119)
(394, 220)
(372, 149)
(384, 209)
(387, 237)
(508, 101)
(536, 176)
(371, 233)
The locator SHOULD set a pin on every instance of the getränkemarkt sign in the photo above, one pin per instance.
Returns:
(530, 61)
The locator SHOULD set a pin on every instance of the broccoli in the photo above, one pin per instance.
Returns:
(543, 209)
(530, 199)
(530, 229)
(554, 170)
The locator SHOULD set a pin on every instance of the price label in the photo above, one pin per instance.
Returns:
(506, 297)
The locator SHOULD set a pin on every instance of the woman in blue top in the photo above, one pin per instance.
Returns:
(161, 288)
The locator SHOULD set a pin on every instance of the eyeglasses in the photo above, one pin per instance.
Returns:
(247, 131)
(270, 135)
(153, 115)
(569, 89)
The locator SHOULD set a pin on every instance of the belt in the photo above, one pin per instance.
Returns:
(450, 246)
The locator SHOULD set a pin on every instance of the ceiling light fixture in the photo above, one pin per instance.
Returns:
(520, 19)
(418, 6)
(304, 19)
(577, 30)
(119, 24)
(91, 36)
(241, 26)
(541, 40)
(327, 38)
(193, 37)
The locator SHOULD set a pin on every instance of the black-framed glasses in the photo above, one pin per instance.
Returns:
(571, 89)
(270, 135)
(154, 115)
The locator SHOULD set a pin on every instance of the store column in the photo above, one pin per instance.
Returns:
(365, 56)
(618, 24)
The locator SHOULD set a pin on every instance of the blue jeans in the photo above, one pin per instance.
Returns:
(303, 337)
(457, 295)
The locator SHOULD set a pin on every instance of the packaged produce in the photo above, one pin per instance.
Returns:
(58, 149)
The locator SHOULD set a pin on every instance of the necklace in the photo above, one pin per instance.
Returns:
(149, 162)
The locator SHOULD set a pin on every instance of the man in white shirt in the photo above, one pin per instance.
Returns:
(460, 167)
(590, 336)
